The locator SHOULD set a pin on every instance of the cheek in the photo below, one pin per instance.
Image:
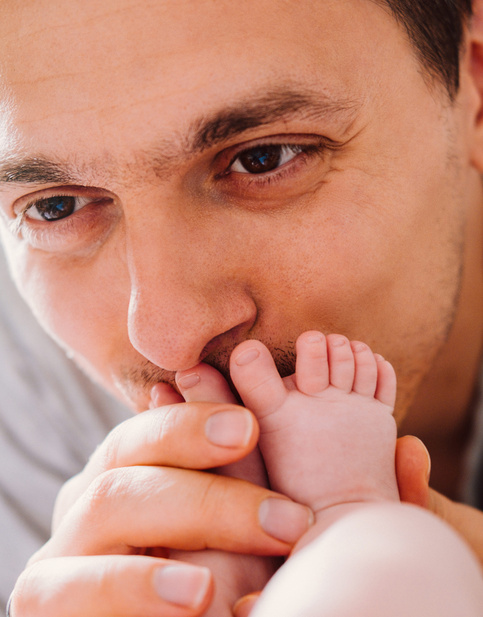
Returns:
(83, 306)
(386, 272)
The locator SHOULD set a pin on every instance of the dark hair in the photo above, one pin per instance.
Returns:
(436, 29)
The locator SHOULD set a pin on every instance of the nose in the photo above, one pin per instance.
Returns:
(187, 299)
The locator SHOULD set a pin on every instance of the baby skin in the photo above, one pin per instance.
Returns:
(346, 394)
(366, 554)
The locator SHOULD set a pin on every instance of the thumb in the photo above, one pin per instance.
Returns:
(467, 521)
(413, 466)
(245, 605)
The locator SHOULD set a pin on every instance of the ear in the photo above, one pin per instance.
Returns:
(472, 68)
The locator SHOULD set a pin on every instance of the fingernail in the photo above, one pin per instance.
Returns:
(188, 381)
(182, 584)
(379, 358)
(247, 356)
(285, 520)
(231, 429)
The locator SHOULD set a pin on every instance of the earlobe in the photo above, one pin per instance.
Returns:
(473, 64)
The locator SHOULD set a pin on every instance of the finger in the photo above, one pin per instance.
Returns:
(467, 521)
(180, 509)
(205, 383)
(125, 586)
(245, 605)
(412, 469)
(188, 435)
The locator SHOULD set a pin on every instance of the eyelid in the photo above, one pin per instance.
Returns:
(85, 201)
(93, 194)
(78, 233)
(305, 141)
(282, 139)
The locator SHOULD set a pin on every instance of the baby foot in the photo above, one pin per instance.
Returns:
(326, 433)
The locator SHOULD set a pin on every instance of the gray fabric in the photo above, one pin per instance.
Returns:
(51, 419)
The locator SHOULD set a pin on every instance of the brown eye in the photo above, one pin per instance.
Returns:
(53, 208)
(261, 160)
(264, 158)
(56, 207)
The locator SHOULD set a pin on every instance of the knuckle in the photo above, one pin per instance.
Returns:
(115, 489)
(162, 424)
(101, 493)
(104, 487)
(213, 497)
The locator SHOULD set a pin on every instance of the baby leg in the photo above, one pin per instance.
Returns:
(381, 560)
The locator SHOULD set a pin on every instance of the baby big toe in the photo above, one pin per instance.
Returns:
(256, 377)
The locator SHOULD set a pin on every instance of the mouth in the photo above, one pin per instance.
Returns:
(134, 382)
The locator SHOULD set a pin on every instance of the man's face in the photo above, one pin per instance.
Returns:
(181, 175)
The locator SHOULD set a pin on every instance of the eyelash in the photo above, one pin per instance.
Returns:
(305, 153)
(35, 202)
(43, 234)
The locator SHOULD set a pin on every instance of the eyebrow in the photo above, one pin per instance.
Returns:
(36, 170)
(278, 105)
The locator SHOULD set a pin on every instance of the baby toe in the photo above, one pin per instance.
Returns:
(312, 367)
(365, 377)
(341, 362)
(256, 377)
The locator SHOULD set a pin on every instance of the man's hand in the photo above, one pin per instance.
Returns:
(467, 521)
(413, 469)
(143, 492)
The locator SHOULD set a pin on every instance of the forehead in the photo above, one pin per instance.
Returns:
(121, 70)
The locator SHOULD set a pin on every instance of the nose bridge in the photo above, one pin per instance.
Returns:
(180, 297)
